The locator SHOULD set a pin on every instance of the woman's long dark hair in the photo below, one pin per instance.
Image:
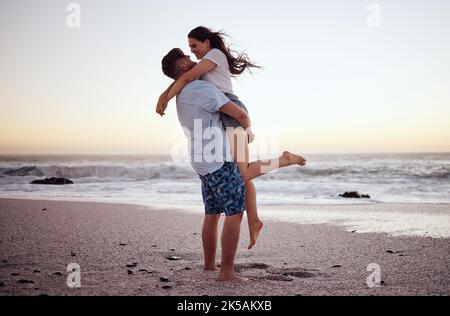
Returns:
(237, 64)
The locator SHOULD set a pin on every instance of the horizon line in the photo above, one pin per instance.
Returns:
(168, 154)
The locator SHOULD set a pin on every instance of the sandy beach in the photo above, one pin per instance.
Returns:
(124, 250)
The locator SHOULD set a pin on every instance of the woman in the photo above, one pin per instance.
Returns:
(218, 65)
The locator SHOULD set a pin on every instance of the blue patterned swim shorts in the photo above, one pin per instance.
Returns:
(224, 191)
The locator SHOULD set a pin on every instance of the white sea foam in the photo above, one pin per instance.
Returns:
(156, 180)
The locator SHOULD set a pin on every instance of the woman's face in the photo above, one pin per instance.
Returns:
(198, 48)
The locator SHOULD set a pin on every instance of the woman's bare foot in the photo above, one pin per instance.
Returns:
(254, 229)
(290, 159)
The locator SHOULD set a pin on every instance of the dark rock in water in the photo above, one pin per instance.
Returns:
(73, 254)
(122, 244)
(354, 195)
(132, 265)
(163, 279)
(129, 272)
(173, 258)
(36, 271)
(53, 181)
(2, 284)
(44, 209)
(143, 270)
(58, 273)
(15, 274)
(187, 268)
(389, 251)
(337, 266)
(166, 287)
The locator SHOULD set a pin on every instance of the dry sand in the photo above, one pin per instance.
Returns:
(36, 246)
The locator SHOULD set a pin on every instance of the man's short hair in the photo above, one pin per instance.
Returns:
(169, 63)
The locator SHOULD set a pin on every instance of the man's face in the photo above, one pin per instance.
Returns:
(186, 63)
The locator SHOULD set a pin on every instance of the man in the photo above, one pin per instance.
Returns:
(223, 189)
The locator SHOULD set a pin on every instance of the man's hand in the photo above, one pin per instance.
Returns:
(162, 106)
(251, 136)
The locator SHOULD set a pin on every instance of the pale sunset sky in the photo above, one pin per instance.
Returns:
(339, 76)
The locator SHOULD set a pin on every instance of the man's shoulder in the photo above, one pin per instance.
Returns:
(198, 86)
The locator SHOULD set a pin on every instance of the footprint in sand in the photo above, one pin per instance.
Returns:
(274, 277)
(276, 274)
(250, 266)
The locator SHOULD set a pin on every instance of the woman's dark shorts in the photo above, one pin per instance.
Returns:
(228, 121)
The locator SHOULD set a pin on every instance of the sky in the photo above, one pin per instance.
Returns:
(338, 76)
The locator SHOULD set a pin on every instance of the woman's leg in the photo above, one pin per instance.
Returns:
(254, 223)
(249, 171)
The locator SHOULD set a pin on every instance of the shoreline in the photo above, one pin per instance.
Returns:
(374, 203)
(392, 218)
(289, 259)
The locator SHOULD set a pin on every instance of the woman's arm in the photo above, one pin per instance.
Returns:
(162, 101)
(199, 70)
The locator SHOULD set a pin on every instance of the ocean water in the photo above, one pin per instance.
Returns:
(159, 181)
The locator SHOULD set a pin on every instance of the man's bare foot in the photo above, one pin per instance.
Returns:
(292, 159)
(210, 268)
(255, 229)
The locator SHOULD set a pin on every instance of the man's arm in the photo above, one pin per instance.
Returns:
(237, 113)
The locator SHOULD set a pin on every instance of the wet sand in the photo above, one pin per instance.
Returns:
(124, 250)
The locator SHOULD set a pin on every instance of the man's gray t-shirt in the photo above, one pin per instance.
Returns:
(198, 107)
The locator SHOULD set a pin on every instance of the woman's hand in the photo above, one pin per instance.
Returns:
(251, 136)
(162, 105)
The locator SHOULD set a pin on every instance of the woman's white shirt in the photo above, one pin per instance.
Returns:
(219, 76)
